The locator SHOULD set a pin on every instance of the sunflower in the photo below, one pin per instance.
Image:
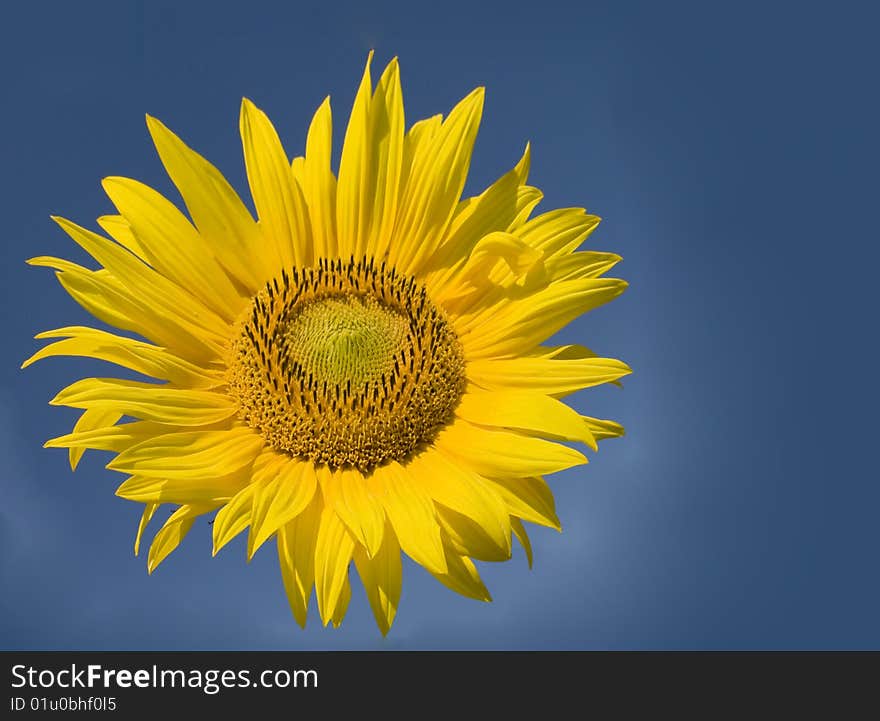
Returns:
(358, 373)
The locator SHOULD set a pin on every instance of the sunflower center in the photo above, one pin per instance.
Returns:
(346, 363)
(346, 338)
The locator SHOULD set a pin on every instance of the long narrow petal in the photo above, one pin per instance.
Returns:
(545, 375)
(462, 577)
(519, 531)
(499, 454)
(558, 232)
(585, 264)
(111, 438)
(217, 211)
(355, 189)
(108, 300)
(434, 184)
(603, 429)
(91, 420)
(526, 411)
(382, 579)
(280, 497)
(169, 243)
(146, 516)
(346, 492)
(198, 489)
(342, 602)
(522, 324)
(173, 532)
(282, 210)
(527, 198)
(148, 401)
(334, 547)
(120, 230)
(469, 538)
(145, 283)
(296, 555)
(233, 518)
(412, 514)
(452, 485)
(133, 354)
(495, 209)
(386, 141)
(319, 183)
(183, 455)
(529, 498)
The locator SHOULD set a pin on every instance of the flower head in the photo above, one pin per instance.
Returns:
(358, 373)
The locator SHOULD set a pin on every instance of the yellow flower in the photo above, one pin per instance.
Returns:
(358, 373)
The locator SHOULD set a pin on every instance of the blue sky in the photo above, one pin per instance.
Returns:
(732, 152)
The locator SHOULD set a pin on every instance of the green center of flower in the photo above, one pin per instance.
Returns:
(346, 338)
(346, 364)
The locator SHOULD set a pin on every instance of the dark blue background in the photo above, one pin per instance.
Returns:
(732, 151)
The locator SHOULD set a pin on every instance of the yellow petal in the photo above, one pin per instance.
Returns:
(108, 300)
(603, 429)
(233, 518)
(495, 209)
(474, 277)
(454, 486)
(355, 189)
(462, 577)
(149, 286)
(319, 184)
(421, 133)
(217, 211)
(342, 603)
(517, 255)
(570, 351)
(558, 232)
(545, 375)
(198, 489)
(469, 539)
(173, 532)
(382, 578)
(298, 168)
(434, 184)
(110, 438)
(519, 531)
(149, 510)
(135, 355)
(527, 198)
(525, 411)
(529, 498)
(169, 242)
(60, 264)
(296, 555)
(281, 494)
(412, 514)
(91, 420)
(187, 454)
(345, 491)
(334, 547)
(522, 324)
(386, 129)
(148, 401)
(499, 454)
(586, 264)
(281, 207)
(120, 230)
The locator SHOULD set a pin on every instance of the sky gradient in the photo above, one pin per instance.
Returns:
(732, 153)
